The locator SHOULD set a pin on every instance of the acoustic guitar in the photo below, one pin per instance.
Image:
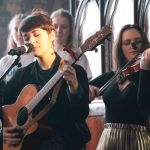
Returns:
(21, 112)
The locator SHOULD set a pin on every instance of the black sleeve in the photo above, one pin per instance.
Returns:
(14, 87)
(79, 102)
(11, 91)
(144, 91)
(102, 79)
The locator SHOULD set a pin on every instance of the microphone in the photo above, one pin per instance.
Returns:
(21, 50)
(134, 45)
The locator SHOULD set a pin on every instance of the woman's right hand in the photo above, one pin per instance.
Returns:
(145, 60)
(12, 136)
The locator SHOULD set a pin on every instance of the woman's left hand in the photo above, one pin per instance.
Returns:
(71, 78)
(145, 60)
(93, 92)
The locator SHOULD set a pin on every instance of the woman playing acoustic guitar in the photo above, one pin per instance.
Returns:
(61, 128)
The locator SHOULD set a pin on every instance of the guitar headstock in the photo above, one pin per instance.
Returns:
(93, 41)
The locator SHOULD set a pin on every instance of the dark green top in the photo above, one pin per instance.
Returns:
(121, 106)
(68, 108)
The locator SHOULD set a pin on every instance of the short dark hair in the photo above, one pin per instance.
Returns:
(35, 20)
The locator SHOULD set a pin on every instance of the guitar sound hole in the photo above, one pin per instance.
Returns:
(22, 116)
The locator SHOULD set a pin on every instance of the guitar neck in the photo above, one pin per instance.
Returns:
(40, 95)
(88, 45)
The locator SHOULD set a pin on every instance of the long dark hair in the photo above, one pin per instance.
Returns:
(120, 59)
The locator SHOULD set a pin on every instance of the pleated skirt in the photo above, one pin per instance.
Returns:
(117, 136)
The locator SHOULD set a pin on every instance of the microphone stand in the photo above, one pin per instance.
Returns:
(15, 63)
(2, 85)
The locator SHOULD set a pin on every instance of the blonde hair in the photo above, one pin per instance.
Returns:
(10, 41)
(65, 13)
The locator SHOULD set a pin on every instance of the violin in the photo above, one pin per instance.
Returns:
(130, 68)
(133, 68)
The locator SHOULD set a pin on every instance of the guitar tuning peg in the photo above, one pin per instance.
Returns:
(96, 50)
(109, 38)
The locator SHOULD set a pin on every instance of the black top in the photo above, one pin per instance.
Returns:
(144, 92)
(68, 109)
(121, 106)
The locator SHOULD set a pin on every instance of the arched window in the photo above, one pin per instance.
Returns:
(88, 24)
(124, 15)
(91, 15)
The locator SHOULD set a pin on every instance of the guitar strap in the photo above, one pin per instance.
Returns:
(49, 106)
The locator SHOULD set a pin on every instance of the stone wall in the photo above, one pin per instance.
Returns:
(8, 8)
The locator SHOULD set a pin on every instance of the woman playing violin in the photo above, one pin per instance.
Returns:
(70, 110)
(125, 127)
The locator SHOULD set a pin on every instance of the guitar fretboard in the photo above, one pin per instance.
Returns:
(40, 95)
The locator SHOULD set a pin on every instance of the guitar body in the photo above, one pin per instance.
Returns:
(10, 113)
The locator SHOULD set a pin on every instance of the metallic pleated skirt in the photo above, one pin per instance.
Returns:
(117, 136)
